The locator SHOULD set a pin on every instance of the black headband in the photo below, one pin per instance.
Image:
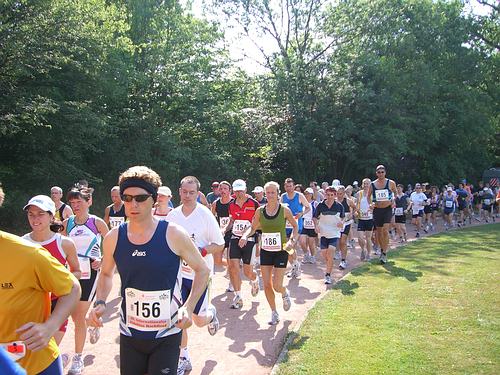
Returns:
(140, 183)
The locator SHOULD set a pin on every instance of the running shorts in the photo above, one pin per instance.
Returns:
(227, 239)
(382, 216)
(400, 219)
(309, 232)
(325, 243)
(420, 213)
(485, 207)
(365, 225)
(277, 259)
(237, 252)
(55, 368)
(462, 206)
(89, 286)
(346, 230)
(427, 209)
(202, 304)
(157, 356)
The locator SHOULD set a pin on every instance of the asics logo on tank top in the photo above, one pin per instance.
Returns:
(138, 253)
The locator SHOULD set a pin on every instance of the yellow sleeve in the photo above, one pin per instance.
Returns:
(52, 276)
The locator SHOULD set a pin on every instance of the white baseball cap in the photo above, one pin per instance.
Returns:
(165, 190)
(309, 190)
(335, 182)
(239, 185)
(355, 183)
(43, 202)
(449, 188)
(258, 189)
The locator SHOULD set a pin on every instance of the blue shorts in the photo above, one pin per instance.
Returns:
(55, 368)
(202, 304)
(325, 243)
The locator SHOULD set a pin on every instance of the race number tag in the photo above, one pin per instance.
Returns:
(115, 221)
(223, 222)
(239, 227)
(148, 311)
(15, 350)
(84, 267)
(365, 214)
(308, 223)
(486, 202)
(381, 195)
(448, 204)
(399, 211)
(271, 241)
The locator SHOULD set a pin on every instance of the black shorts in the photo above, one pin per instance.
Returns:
(89, 286)
(237, 252)
(277, 259)
(419, 214)
(400, 219)
(346, 230)
(227, 239)
(154, 357)
(309, 232)
(365, 225)
(427, 209)
(462, 206)
(382, 216)
(486, 207)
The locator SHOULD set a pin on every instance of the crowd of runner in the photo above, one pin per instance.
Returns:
(165, 256)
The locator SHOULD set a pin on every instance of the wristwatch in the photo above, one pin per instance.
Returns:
(100, 302)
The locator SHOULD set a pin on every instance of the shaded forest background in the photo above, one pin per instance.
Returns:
(92, 87)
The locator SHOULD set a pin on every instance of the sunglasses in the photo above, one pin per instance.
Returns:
(380, 171)
(138, 198)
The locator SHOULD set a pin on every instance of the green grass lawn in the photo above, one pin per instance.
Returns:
(434, 308)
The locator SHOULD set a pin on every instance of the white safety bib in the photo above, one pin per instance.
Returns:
(448, 204)
(382, 195)
(308, 223)
(116, 221)
(366, 214)
(486, 202)
(239, 227)
(288, 225)
(223, 222)
(271, 241)
(84, 267)
(147, 311)
(399, 211)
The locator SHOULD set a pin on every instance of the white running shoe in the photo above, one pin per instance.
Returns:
(254, 284)
(298, 270)
(76, 365)
(312, 259)
(213, 326)
(337, 255)
(230, 288)
(383, 258)
(287, 302)
(328, 279)
(343, 265)
(184, 366)
(275, 318)
(237, 303)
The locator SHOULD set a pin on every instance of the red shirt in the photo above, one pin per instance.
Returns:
(242, 215)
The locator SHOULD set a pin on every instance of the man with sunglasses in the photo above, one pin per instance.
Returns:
(148, 254)
(382, 191)
(206, 235)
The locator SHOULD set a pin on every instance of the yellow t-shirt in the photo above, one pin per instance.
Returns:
(27, 274)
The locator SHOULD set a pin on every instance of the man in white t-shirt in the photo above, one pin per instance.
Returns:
(417, 202)
(204, 230)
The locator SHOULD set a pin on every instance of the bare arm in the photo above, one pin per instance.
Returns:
(182, 245)
(295, 231)
(105, 279)
(106, 215)
(305, 203)
(250, 230)
(67, 212)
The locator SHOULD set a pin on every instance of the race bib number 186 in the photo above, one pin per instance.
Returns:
(271, 241)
